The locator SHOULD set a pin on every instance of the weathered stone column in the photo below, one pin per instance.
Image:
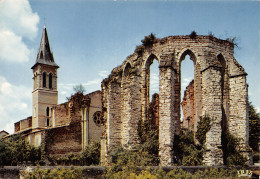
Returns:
(166, 115)
(112, 104)
(239, 120)
(131, 114)
(211, 102)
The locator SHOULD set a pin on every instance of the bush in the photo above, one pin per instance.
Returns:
(91, 155)
(193, 34)
(202, 129)
(186, 151)
(15, 150)
(149, 40)
(56, 173)
(231, 155)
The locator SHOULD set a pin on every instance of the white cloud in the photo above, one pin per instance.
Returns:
(12, 48)
(17, 16)
(15, 104)
(16, 23)
(185, 82)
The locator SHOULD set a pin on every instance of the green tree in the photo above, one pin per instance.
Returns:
(254, 131)
(254, 127)
(15, 150)
(79, 89)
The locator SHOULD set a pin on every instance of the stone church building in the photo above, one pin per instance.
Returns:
(62, 128)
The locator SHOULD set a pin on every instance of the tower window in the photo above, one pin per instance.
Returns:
(50, 81)
(48, 122)
(44, 79)
(47, 111)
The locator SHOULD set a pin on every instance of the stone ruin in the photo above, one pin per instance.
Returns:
(220, 92)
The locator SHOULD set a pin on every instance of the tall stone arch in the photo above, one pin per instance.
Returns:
(218, 79)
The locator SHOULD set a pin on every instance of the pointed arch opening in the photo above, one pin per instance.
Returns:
(152, 93)
(187, 91)
(50, 80)
(44, 75)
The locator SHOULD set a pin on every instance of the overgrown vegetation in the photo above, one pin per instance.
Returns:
(254, 132)
(77, 89)
(230, 150)
(202, 129)
(233, 40)
(56, 173)
(193, 34)
(148, 41)
(91, 156)
(186, 151)
(175, 173)
(15, 150)
(146, 173)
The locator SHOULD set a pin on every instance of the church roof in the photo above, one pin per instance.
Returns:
(45, 55)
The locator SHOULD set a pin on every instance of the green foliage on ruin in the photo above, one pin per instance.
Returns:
(186, 152)
(79, 89)
(15, 150)
(202, 129)
(230, 145)
(139, 49)
(157, 173)
(254, 132)
(91, 156)
(148, 41)
(193, 34)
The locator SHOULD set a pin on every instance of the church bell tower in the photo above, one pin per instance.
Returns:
(45, 93)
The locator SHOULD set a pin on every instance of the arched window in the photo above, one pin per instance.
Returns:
(44, 79)
(47, 111)
(50, 81)
(48, 122)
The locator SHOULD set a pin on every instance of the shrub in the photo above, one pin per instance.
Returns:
(56, 173)
(193, 34)
(186, 151)
(149, 40)
(202, 129)
(91, 155)
(231, 155)
(15, 150)
(139, 49)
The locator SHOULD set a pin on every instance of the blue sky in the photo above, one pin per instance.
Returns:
(90, 38)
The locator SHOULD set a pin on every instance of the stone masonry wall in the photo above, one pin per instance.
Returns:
(188, 107)
(126, 94)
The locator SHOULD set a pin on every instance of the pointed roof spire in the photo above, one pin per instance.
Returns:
(45, 55)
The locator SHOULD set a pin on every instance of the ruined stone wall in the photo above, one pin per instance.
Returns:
(188, 107)
(126, 93)
(60, 115)
(154, 111)
(63, 140)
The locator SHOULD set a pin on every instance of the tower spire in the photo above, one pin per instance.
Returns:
(45, 55)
